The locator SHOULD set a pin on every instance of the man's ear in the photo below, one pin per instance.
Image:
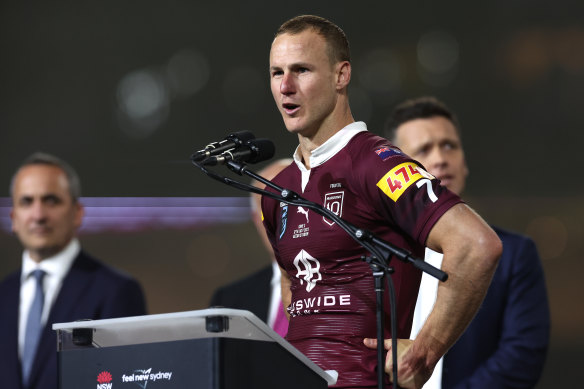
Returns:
(79, 214)
(343, 74)
(12, 219)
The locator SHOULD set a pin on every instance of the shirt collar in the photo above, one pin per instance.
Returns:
(332, 145)
(55, 266)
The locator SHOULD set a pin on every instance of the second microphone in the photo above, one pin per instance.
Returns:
(251, 151)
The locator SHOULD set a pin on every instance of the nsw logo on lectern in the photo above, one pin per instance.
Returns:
(104, 380)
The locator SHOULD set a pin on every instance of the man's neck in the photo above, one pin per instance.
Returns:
(307, 144)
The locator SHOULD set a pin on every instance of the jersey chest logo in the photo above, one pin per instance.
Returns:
(334, 203)
(308, 269)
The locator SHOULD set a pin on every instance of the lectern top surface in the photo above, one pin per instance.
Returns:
(206, 323)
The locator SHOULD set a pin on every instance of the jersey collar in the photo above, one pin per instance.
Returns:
(331, 147)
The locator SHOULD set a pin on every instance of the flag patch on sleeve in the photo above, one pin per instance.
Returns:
(385, 152)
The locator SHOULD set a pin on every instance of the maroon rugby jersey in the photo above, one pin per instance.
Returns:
(371, 184)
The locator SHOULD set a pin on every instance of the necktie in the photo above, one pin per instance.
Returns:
(33, 327)
(281, 322)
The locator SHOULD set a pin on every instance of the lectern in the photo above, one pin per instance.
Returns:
(214, 348)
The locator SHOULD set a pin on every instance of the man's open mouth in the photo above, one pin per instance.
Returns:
(290, 108)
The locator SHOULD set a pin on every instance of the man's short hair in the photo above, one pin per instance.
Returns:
(40, 158)
(334, 36)
(420, 108)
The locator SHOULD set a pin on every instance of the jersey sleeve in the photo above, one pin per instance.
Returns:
(401, 190)
(268, 209)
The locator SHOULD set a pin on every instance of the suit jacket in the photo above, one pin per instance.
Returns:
(251, 293)
(90, 290)
(506, 343)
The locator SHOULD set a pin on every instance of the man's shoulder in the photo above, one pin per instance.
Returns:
(510, 238)
(259, 278)
(367, 148)
(10, 282)
(519, 252)
(367, 138)
(289, 173)
(87, 264)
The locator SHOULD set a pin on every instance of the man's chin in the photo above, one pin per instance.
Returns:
(292, 124)
(293, 128)
(42, 251)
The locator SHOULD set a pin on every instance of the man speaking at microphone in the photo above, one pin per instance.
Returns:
(326, 286)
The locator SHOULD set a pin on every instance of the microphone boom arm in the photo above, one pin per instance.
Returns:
(379, 262)
(377, 246)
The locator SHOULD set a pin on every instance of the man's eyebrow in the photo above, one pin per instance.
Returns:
(422, 146)
(50, 196)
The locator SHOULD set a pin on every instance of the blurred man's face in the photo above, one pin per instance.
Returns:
(44, 216)
(303, 81)
(435, 143)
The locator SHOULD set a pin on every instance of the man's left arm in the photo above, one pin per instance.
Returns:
(522, 348)
(471, 251)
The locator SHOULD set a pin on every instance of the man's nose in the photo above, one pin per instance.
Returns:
(287, 85)
(38, 211)
(438, 158)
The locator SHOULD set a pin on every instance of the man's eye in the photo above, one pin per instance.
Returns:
(449, 146)
(423, 151)
(52, 200)
(25, 202)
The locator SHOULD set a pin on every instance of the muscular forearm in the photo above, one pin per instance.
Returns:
(471, 251)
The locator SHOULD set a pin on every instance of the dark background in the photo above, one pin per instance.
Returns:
(126, 90)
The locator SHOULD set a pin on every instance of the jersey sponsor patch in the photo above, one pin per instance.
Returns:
(385, 152)
(398, 179)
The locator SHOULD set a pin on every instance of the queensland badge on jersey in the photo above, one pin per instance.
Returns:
(400, 178)
(334, 203)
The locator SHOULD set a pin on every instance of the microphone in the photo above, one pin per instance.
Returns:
(216, 148)
(252, 151)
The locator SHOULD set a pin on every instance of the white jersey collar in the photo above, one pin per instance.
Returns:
(328, 149)
(332, 146)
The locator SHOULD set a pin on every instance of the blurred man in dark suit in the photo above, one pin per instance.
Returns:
(260, 292)
(58, 281)
(506, 344)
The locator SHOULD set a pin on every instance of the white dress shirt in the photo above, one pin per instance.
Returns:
(55, 269)
(424, 305)
(276, 295)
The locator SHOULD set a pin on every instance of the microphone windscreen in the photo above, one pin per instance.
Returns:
(241, 136)
(264, 149)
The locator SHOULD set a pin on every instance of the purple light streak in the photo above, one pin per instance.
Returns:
(129, 214)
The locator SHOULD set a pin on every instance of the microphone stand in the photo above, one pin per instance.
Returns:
(381, 250)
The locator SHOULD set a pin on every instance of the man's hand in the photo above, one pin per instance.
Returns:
(411, 377)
